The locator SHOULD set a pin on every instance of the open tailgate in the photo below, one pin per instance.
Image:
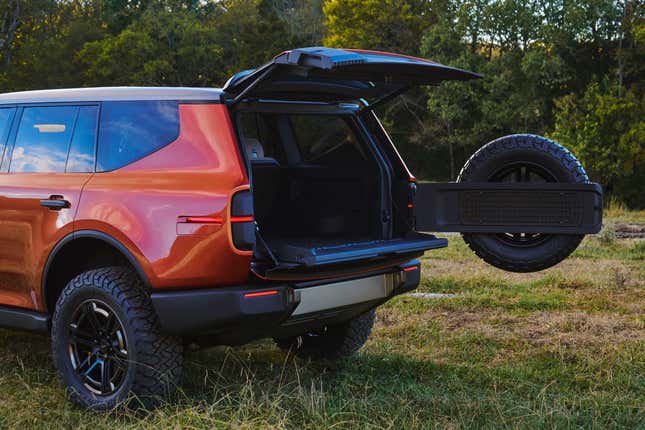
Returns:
(328, 74)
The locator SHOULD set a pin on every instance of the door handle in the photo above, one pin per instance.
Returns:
(55, 203)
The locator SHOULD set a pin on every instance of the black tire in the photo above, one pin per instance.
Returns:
(538, 159)
(333, 342)
(145, 364)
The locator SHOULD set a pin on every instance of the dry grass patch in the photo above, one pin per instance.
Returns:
(572, 273)
(573, 328)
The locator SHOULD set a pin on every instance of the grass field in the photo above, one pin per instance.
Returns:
(563, 348)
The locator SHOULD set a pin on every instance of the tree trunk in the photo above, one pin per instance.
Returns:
(9, 26)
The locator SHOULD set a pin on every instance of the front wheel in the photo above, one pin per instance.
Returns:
(107, 345)
(522, 158)
(332, 342)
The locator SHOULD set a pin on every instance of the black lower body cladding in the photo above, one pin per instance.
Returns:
(523, 158)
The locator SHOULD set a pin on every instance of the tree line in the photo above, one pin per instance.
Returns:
(570, 69)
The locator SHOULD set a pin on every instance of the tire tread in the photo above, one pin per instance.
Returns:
(159, 357)
(493, 150)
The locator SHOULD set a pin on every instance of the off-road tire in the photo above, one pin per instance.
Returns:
(154, 359)
(539, 151)
(333, 342)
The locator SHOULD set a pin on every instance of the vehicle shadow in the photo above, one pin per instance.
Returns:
(30, 349)
(262, 371)
(265, 371)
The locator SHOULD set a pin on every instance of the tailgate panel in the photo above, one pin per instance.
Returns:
(301, 252)
(557, 208)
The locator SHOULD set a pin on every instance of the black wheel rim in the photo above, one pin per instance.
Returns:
(98, 347)
(522, 172)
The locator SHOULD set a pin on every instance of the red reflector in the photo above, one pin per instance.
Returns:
(248, 218)
(410, 206)
(202, 219)
(262, 293)
(410, 269)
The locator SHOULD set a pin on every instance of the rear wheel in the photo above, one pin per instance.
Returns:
(107, 345)
(333, 342)
(522, 158)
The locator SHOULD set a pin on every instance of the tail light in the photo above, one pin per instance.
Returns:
(242, 221)
(412, 192)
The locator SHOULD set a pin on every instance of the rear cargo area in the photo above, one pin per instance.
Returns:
(312, 200)
(320, 191)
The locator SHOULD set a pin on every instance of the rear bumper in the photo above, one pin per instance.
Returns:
(253, 311)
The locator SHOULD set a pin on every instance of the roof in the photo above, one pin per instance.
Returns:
(112, 94)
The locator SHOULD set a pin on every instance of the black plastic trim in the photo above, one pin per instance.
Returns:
(504, 207)
(23, 319)
(243, 235)
(204, 310)
(232, 318)
(348, 253)
(242, 203)
(95, 235)
(350, 269)
(6, 133)
(410, 277)
(296, 106)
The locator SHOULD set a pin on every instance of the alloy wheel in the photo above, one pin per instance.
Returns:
(98, 347)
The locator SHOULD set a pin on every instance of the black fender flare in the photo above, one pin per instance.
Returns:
(94, 235)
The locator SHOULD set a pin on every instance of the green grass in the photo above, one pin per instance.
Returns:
(562, 348)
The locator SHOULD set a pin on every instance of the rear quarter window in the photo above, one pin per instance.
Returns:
(131, 130)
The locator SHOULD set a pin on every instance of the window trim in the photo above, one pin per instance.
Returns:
(96, 135)
(11, 141)
(4, 138)
(71, 138)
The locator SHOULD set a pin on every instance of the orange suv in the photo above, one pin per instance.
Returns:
(135, 220)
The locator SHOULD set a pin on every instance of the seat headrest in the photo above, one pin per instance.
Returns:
(254, 149)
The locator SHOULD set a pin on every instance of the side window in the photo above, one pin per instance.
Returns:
(6, 115)
(43, 139)
(326, 137)
(82, 148)
(131, 130)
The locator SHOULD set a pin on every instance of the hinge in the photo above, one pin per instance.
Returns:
(264, 245)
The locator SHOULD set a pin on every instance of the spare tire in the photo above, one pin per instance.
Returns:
(522, 158)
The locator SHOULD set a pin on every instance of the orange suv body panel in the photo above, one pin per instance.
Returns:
(142, 204)
(29, 231)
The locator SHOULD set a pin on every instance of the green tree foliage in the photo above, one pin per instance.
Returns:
(524, 49)
(607, 133)
(386, 25)
(53, 44)
(46, 36)
(161, 48)
(572, 69)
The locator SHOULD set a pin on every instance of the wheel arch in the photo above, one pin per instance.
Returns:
(63, 245)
